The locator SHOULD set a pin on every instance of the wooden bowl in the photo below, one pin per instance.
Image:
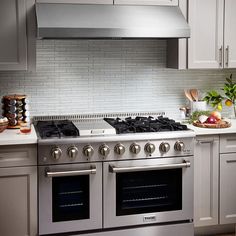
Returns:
(3, 126)
(219, 125)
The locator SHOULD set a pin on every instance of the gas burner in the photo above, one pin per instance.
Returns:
(57, 129)
(145, 124)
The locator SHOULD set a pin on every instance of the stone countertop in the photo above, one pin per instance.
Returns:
(13, 137)
(209, 131)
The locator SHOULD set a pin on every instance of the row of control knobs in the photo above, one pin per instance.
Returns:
(119, 149)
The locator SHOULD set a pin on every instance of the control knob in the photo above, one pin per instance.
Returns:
(104, 150)
(164, 147)
(119, 149)
(179, 146)
(149, 148)
(135, 148)
(88, 151)
(72, 152)
(56, 153)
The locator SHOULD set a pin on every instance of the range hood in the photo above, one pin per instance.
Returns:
(110, 21)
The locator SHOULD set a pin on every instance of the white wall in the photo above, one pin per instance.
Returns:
(86, 76)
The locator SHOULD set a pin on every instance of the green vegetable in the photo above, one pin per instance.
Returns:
(196, 114)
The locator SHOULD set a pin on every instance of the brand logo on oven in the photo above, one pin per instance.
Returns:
(149, 218)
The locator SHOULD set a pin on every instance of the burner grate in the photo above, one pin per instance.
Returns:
(59, 129)
(145, 124)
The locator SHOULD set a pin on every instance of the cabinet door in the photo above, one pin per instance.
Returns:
(147, 2)
(77, 1)
(18, 201)
(205, 46)
(13, 40)
(230, 34)
(228, 188)
(206, 163)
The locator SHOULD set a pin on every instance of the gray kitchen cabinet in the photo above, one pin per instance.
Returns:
(147, 2)
(16, 48)
(18, 195)
(228, 179)
(230, 34)
(206, 180)
(228, 188)
(213, 39)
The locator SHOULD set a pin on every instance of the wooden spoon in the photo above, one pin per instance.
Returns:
(194, 93)
(188, 95)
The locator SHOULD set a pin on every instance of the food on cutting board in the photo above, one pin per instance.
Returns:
(207, 119)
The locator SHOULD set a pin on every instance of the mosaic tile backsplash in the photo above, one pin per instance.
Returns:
(96, 76)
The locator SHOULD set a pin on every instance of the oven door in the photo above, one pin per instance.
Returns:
(70, 198)
(148, 191)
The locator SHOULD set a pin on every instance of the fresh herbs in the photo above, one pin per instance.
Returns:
(195, 115)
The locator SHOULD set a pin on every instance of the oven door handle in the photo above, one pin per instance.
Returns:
(49, 173)
(184, 164)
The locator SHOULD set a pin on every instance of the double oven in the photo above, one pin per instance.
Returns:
(112, 195)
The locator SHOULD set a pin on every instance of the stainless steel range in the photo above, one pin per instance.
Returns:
(115, 176)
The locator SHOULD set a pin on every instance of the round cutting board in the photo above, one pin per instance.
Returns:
(218, 125)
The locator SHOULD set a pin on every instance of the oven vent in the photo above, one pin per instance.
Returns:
(96, 116)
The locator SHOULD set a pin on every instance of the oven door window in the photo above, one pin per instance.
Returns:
(70, 198)
(148, 191)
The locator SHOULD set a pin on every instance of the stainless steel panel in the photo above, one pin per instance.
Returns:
(164, 230)
(110, 21)
(46, 226)
(109, 192)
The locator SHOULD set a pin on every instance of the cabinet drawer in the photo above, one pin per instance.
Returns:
(227, 143)
(18, 155)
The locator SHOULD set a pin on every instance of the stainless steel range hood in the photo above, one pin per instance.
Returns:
(110, 21)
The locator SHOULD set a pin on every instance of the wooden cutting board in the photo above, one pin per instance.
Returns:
(219, 125)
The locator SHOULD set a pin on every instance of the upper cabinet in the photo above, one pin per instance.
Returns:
(213, 38)
(147, 2)
(230, 34)
(13, 39)
(14, 42)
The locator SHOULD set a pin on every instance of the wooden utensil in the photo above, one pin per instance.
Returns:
(194, 94)
(188, 95)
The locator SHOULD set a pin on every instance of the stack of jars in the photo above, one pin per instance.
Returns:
(15, 109)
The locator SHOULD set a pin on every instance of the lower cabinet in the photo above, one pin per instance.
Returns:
(18, 190)
(206, 179)
(18, 201)
(214, 180)
(228, 188)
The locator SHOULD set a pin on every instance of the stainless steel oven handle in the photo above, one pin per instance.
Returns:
(114, 169)
(92, 170)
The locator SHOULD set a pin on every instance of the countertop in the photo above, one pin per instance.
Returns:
(13, 137)
(209, 131)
